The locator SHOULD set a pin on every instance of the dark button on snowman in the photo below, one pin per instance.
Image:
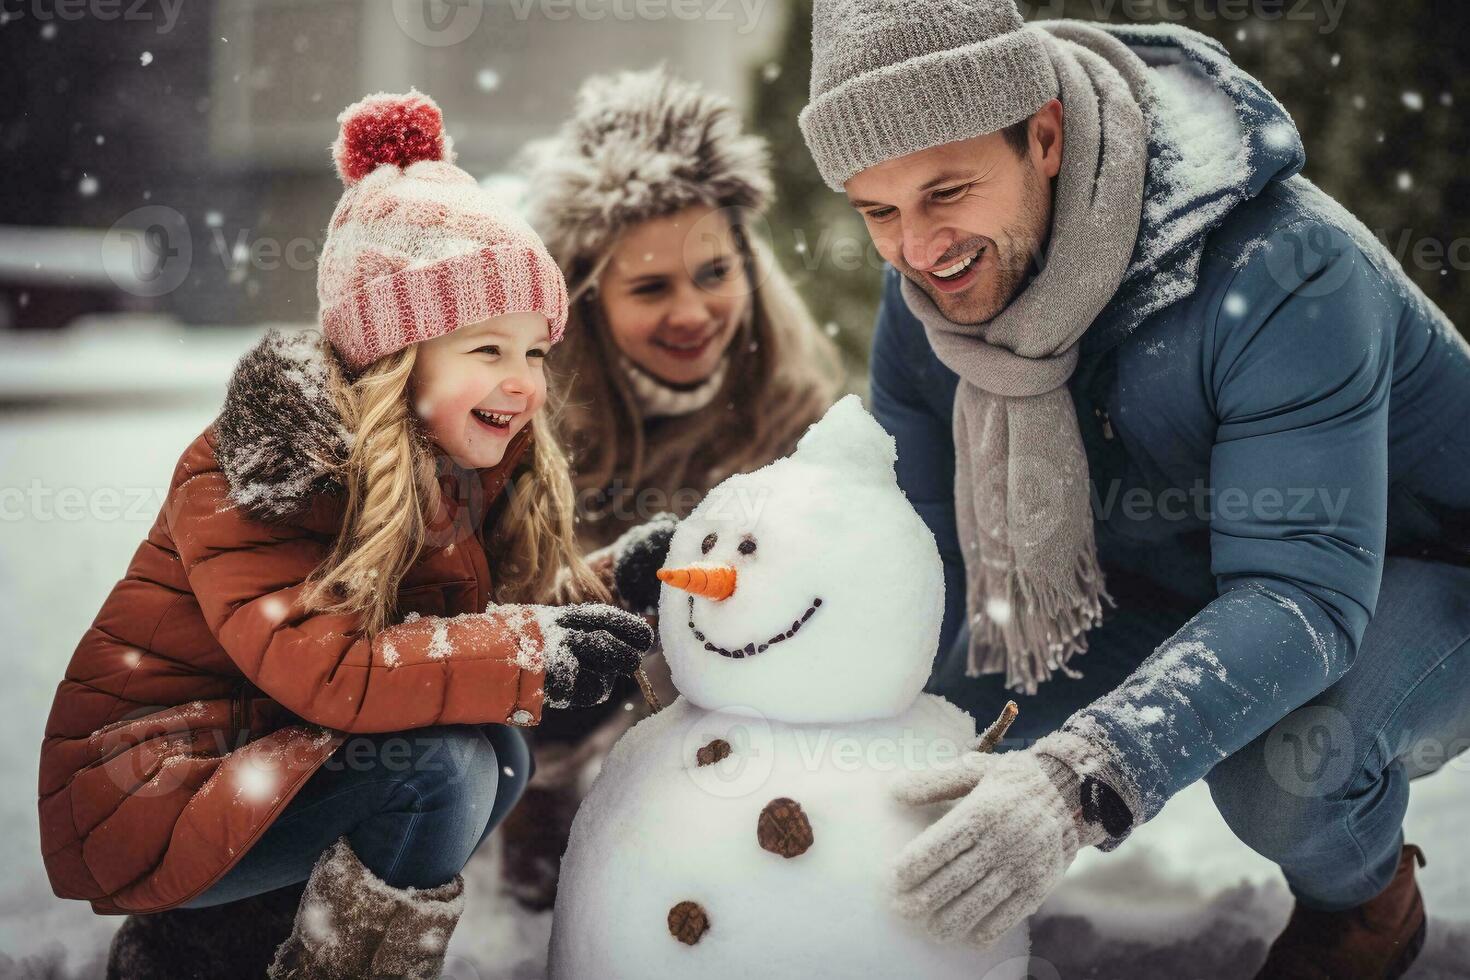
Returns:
(748, 829)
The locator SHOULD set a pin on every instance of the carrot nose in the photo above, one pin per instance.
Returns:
(711, 581)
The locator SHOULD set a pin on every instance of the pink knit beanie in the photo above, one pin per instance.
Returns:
(416, 249)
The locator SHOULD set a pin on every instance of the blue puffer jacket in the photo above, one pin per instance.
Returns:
(1256, 445)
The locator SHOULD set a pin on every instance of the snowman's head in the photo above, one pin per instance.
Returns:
(809, 590)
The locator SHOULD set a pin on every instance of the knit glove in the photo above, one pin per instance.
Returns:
(637, 557)
(587, 648)
(991, 861)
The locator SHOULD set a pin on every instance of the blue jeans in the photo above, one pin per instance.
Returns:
(414, 805)
(1324, 791)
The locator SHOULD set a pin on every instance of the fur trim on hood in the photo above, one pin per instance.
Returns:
(280, 437)
(639, 145)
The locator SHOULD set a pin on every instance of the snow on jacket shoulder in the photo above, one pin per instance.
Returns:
(203, 696)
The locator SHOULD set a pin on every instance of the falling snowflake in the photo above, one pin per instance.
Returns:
(256, 783)
(1406, 180)
(488, 79)
(146, 58)
(1413, 101)
(999, 610)
(88, 186)
(274, 609)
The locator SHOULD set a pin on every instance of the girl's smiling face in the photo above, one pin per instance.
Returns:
(476, 387)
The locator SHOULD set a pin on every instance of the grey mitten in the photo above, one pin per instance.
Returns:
(991, 861)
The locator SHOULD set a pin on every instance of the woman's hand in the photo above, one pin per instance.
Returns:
(587, 648)
(637, 556)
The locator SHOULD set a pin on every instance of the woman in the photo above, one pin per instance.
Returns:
(693, 357)
(689, 356)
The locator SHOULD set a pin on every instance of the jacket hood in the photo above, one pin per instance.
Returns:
(1217, 138)
(280, 437)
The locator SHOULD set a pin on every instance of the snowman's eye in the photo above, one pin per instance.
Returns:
(747, 547)
(708, 543)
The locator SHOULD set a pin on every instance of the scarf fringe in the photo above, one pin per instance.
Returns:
(1047, 623)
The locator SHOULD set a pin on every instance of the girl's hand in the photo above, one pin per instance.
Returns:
(588, 647)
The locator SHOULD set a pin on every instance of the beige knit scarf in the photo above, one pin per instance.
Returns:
(1022, 499)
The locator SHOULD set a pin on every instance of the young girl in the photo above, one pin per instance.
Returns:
(310, 669)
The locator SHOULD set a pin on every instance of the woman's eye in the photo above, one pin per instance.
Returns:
(488, 349)
(648, 289)
(715, 273)
(708, 543)
(747, 546)
(537, 352)
(880, 214)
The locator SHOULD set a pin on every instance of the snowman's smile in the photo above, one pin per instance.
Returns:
(751, 649)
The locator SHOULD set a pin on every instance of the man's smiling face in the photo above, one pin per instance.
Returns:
(966, 221)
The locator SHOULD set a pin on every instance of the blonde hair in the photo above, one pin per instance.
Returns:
(392, 494)
(783, 375)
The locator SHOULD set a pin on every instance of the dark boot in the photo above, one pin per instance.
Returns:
(1377, 940)
(235, 941)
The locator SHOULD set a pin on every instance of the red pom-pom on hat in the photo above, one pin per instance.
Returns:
(388, 128)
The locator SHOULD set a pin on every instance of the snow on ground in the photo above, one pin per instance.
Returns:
(79, 486)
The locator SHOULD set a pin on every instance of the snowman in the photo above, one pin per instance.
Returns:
(748, 828)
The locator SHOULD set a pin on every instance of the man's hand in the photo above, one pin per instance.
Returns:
(991, 861)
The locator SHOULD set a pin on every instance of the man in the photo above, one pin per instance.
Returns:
(1194, 450)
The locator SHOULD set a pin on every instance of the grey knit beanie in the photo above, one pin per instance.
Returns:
(891, 78)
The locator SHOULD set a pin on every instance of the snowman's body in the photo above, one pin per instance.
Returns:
(748, 829)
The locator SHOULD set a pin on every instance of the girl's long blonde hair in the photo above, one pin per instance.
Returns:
(392, 495)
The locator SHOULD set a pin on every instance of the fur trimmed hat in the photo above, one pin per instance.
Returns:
(416, 249)
(639, 145)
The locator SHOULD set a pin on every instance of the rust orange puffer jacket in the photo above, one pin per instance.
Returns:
(203, 696)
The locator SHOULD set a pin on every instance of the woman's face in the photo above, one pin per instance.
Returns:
(674, 292)
(476, 387)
